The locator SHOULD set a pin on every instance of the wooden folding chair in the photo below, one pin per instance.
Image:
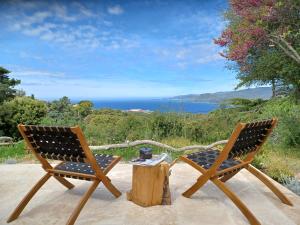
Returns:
(68, 145)
(219, 166)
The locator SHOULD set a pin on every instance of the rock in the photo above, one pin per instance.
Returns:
(11, 161)
(5, 139)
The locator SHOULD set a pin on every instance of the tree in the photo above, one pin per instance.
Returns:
(61, 112)
(20, 110)
(244, 104)
(257, 23)
(61, 109)
(7, 91)
(260, 30)
(265, 69)
(84, 108)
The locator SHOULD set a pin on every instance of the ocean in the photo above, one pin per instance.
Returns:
(162, 105)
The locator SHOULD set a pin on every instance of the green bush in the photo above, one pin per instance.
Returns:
(165, 125)
(279, 158)
(287, 132)
(20, 110)
(194, 130)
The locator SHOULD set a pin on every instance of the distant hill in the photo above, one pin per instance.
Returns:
(250, 93)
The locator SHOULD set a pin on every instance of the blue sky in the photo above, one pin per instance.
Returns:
(114, 49)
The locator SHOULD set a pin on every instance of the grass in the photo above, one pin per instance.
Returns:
(16, 152)
(278, 162)
(19, 153)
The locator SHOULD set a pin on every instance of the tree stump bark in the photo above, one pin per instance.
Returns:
(150, 185)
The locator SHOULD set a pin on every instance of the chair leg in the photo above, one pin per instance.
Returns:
(200, 182)
(64, 182)
(28, 197)
(82, 202)
(263, 178)
(107, 183)
(247, 213)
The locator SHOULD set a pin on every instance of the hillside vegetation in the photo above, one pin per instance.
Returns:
(280, 157)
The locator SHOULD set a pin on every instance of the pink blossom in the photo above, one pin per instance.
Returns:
(250, 32)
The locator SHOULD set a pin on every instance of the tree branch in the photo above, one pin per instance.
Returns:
(288, 49)
(158, 144)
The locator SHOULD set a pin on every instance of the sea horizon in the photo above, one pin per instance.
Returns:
(153, 104)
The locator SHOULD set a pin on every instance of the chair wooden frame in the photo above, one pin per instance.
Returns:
(220, 177)
(99, 176)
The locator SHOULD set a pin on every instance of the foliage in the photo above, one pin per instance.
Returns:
(279, 159)
(288, 129)
(61, 112)
(262, 38)
(83, 108)
(165, 125)
(112, 126)
(245, 104)
(20, 110)
(105, 128)
(6, 85)
(260, 22)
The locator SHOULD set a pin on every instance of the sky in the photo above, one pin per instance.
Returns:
(114, 49)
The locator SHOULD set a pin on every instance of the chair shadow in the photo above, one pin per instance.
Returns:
(64, 199)
(209, 191)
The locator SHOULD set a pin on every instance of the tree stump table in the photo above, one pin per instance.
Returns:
(150, 185)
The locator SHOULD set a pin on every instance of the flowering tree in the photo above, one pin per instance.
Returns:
(261, 23)
(260, 30)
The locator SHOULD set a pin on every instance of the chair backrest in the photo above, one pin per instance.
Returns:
(248, 138)
(59, 143)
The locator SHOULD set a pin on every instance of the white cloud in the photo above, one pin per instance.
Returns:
(38, 17)
(76, 26)
(20, 22)
(115, 10)
(186, 53)
(83, 10)
(38, 30)
(37, 73)
(61, 12)
(181, 54)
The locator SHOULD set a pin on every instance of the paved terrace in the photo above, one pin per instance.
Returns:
(53, 204)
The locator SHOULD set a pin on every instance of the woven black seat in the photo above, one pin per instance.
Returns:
(207, 158)
(103, 162)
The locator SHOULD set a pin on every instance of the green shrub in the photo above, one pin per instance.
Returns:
(165, 125)
(20, 110)
(287, 132)
(194, 130)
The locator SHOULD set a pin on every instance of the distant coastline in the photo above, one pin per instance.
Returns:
(152, 105)
(192, 103)
(218, 97)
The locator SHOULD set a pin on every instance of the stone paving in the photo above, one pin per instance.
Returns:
(53, 204)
